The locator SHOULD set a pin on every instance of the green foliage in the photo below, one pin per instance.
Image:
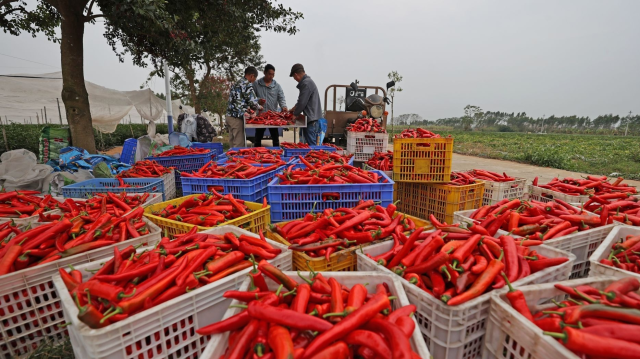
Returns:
(547, 156)
(27, 136)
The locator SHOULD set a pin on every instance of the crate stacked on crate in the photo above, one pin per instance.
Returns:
(293, 201)
(86, 189)
(257, 219)
(364, 137)
(511, 335)
(128, 154)
(165, 330)
(187, 162)
(577, 190)
(457, 331)
(499, 186)
(149, 169)
(252, 189)
(293, 152)
(30, 305)
(219, 342)
(380, 161)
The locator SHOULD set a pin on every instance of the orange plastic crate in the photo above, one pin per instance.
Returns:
(441, 200)
(423, 160)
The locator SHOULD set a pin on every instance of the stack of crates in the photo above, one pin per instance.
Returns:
(421, 170)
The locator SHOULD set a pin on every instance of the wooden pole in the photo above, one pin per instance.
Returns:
(45, 114)
(42, 117)
(37, 119)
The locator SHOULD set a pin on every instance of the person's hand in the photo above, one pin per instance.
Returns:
(292, 109)
(284, 109)
(262, 101)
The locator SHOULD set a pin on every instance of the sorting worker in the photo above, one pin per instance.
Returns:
(269, 92)
(242, 98)
(308, 103)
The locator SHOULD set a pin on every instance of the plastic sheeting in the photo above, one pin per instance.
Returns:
(21, 97)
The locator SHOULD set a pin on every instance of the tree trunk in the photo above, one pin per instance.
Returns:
(74, 92)
(192, 91)
(393, 121)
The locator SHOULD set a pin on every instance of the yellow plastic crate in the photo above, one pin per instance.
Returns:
(441, 200)
(342, 261)
(253, 222)
(422, 160)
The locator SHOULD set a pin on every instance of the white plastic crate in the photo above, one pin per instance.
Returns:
(218, 344)
(363, 144)
(547, 195)
(457, 332)
(510, 335)
(166, 330)
(169, 185)
(616, 234)
(582, 244)
(495, 192)
(30, 308)
(23, 222)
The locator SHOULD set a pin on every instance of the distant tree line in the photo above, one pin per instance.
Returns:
(478, 120)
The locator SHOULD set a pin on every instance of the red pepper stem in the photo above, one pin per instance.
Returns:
(558, 304)
(562, 336)
(552, 312)
(338, 314)
(304, 279)
(279, 290)
(122, 295)
(243, 306)
(511, 289)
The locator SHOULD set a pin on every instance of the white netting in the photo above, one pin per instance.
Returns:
(27, 96)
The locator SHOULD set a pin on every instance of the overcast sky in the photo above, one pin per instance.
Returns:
(542, 57)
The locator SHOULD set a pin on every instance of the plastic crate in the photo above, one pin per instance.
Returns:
(291, 202)
(86, 189)
(344, 260)
(494, 192)
(458, 332)
(582, 244)
(547, 195)
(510, 335)
(252, 189)
(366, 167)
(169, 180)
(598, 269)
(128, 154)
(164, 331)
(422, 199)
(363, 144)
(424, 160)
(30, 306)
(213, 146)
(294, 152)
(253, 222)
(218, 343)
(185, 163)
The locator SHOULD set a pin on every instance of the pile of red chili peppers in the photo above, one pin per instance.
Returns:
(182, 151)
(461, 179)
(22, 204)
(66, 237)
(366, 125)
(417, 133)
(485, 175)
(294, 145)
(255, 155)
(330, 231)
(319, 318)
(591, 323)
(113, 204)
(625, 255)
(319, 157)
(243, 169)
(537, 220)
(206, 210)
(456, 264)
(382, 161)
(273, 118)
(590, 185)
(144, 169)
(620, 207)
(321, 174)
(130, 283)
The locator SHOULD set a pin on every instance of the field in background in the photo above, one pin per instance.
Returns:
(594, 154)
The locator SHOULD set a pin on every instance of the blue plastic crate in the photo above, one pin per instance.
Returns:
(86, 189)
(291, 202)
(252, 190)
(214, 146)
(289, 159)
(185, 163)
(290, 152)
(240, 148)
(128, 154)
